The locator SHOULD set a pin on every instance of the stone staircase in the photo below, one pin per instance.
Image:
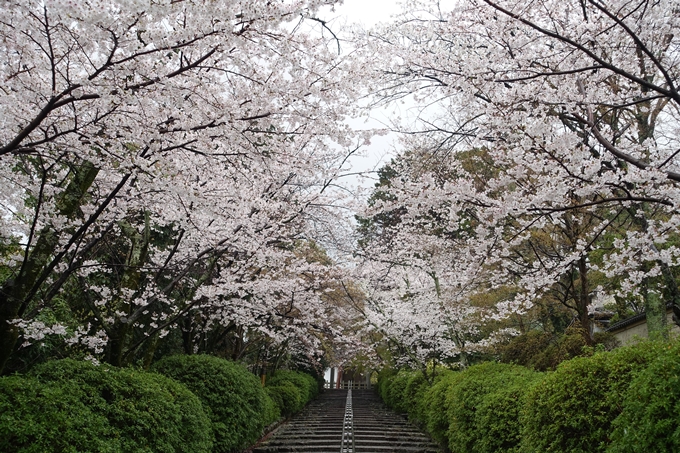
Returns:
(378, 429)
(369, 427)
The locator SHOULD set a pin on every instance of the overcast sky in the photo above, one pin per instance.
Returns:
(367, 13)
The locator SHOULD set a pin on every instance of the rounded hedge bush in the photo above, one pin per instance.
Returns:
(651, 409)
(36, 417)
(146, 412)
(413, 395)
(435, 406)
(384, 379)
(572, 409)
(287, 397)
(272, 412)
(497, 421)
(232, 397)
(394, 391)
(308, 386)
(466, 396)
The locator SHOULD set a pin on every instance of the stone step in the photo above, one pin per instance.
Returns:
(319, 428)
(378, 437)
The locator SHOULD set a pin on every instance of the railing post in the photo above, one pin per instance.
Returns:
(348, 426)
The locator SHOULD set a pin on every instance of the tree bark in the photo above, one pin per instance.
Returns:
(655, 309)
(15, 294)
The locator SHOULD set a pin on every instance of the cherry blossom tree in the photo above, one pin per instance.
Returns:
(574, 107)
(160, 160)
(420, 288)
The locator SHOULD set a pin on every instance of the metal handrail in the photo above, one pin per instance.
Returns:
(348, 426)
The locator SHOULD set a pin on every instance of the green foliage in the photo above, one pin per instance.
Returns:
(413, 396)
(649, 421)
(469, 426)
(572, 409)
(395, 390)
(497, 419)
(435, 405)
(272, 412)
(543, 351)
(144, 412)
(309, 387)
(495, 407)
(291, 390)
(384, 378)
(233, 397)
(36, 417)
(569, 345)
(523, 348)
(287, 397)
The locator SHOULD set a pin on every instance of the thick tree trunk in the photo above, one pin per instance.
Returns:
(655, 309)
(16, 294)
(149, 352)
(655, 306)
(132, 280)
(115, 348)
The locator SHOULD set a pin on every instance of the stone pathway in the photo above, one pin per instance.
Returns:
(342, 421)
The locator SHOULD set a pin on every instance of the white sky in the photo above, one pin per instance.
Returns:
(367, 13)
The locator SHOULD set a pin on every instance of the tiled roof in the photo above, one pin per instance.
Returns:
(633, 320)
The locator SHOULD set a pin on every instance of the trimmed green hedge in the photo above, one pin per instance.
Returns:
(413, 395)
(36, 418)
(472, 410)
(291, 390)
(626, 400)
(478, 409)
(650, 421)
(384, 380)
(232, 397)
(286, 396)
(572, 409)
(272, 411)
(404, 392)
(498, 415)
(435, 405)
(199, 404)
(72, 405)
(309, 387)
(393, 393)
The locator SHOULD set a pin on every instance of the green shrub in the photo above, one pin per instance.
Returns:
(568, 346)
(308, 386)
(435, 406)
(572, 409)
(413, 395)
(287, 397)
(651, 409)
(36, 417)
(497, 421)
(465, 397)
(524, 348)
(384, 378)
(543, 351)
(272, 412)
(276, 396)
(232, 397)
(395, 389)
(145, 412)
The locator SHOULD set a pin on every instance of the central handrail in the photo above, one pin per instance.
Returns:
(348, 426)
